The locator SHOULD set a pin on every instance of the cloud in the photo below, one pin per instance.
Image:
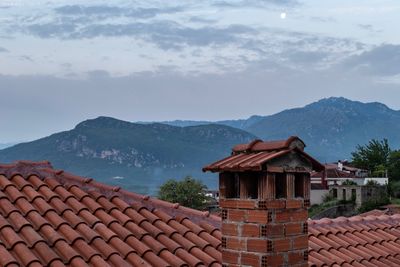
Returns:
(3, 50)
(369, 27)
(104, 11)
(165, 34)
(257, 3)
(383, 60)
(26, 58)
(202, 20)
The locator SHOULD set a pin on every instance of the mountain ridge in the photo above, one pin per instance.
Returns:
(139, 156)
(331, 127)
(144, 155)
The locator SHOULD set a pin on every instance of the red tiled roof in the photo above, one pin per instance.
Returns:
(355, 241)
(375, 212)
(259, 145)
(256, 154)
(334, 173)
(52, 218)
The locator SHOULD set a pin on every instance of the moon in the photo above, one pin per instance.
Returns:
(283, 15)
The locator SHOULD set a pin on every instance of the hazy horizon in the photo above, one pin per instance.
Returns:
(13, 142)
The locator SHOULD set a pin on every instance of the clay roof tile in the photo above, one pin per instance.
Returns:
(50, 217)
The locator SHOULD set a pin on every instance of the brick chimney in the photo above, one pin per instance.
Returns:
(264, 196)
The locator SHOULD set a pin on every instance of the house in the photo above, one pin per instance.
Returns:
(338, 176)
(337, 173)
(49, 217)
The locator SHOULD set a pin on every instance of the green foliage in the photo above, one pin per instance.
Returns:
(372, 183)
(374, 204)
(374, 156)
(327, 198)
(394, 188)
(315, 209)
(349, 182)
(188, 192)
(394, 165)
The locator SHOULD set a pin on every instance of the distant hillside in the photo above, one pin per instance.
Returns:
(141, 156)
(138, 156)
(240, 124)
(331, 127)
(5, 145)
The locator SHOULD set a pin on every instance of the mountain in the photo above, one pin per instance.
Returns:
(240, 124)
(5, 145)
(138, 156)
(332, 127)
(141, 156)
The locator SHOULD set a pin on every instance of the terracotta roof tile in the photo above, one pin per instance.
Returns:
(356, 241)
(49, 217)
(256, 154)
(52, 218)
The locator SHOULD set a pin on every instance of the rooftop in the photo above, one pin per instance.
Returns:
(355, 241)
(255, 155)
(52, 218)
(49, 217)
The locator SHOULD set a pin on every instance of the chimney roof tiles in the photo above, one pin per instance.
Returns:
(254, 155)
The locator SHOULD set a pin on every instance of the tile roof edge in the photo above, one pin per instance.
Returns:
(351, 220)
(45, 169)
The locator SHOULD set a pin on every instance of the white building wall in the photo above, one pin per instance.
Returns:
(380, 180)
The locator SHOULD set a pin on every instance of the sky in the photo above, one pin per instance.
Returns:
(62, 62)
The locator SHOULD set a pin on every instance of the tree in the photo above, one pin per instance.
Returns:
(373, 157)
(189, 192)
(348, 182)
(394, 165)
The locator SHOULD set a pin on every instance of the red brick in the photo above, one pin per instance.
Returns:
(236, 215)
(275, 230)
(235, 243)
(250, 230)
(282, 216)
(229, 256)
(251, 259)
(257, 245)
(257, 216)
(276, 204)
(275, 260)
(237, 203)
(282, 245)
(300, 242)
(246, 204)
(293, 228)
(299, 215)
(231, 229)
(294, 203)
(295, 257)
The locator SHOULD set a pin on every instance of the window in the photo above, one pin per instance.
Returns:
(299, 185)
(232, 186)
(334, 192)
(280, 185)
(248, 185)
(344, 194)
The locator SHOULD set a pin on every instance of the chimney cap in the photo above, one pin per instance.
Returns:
(252, 156)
